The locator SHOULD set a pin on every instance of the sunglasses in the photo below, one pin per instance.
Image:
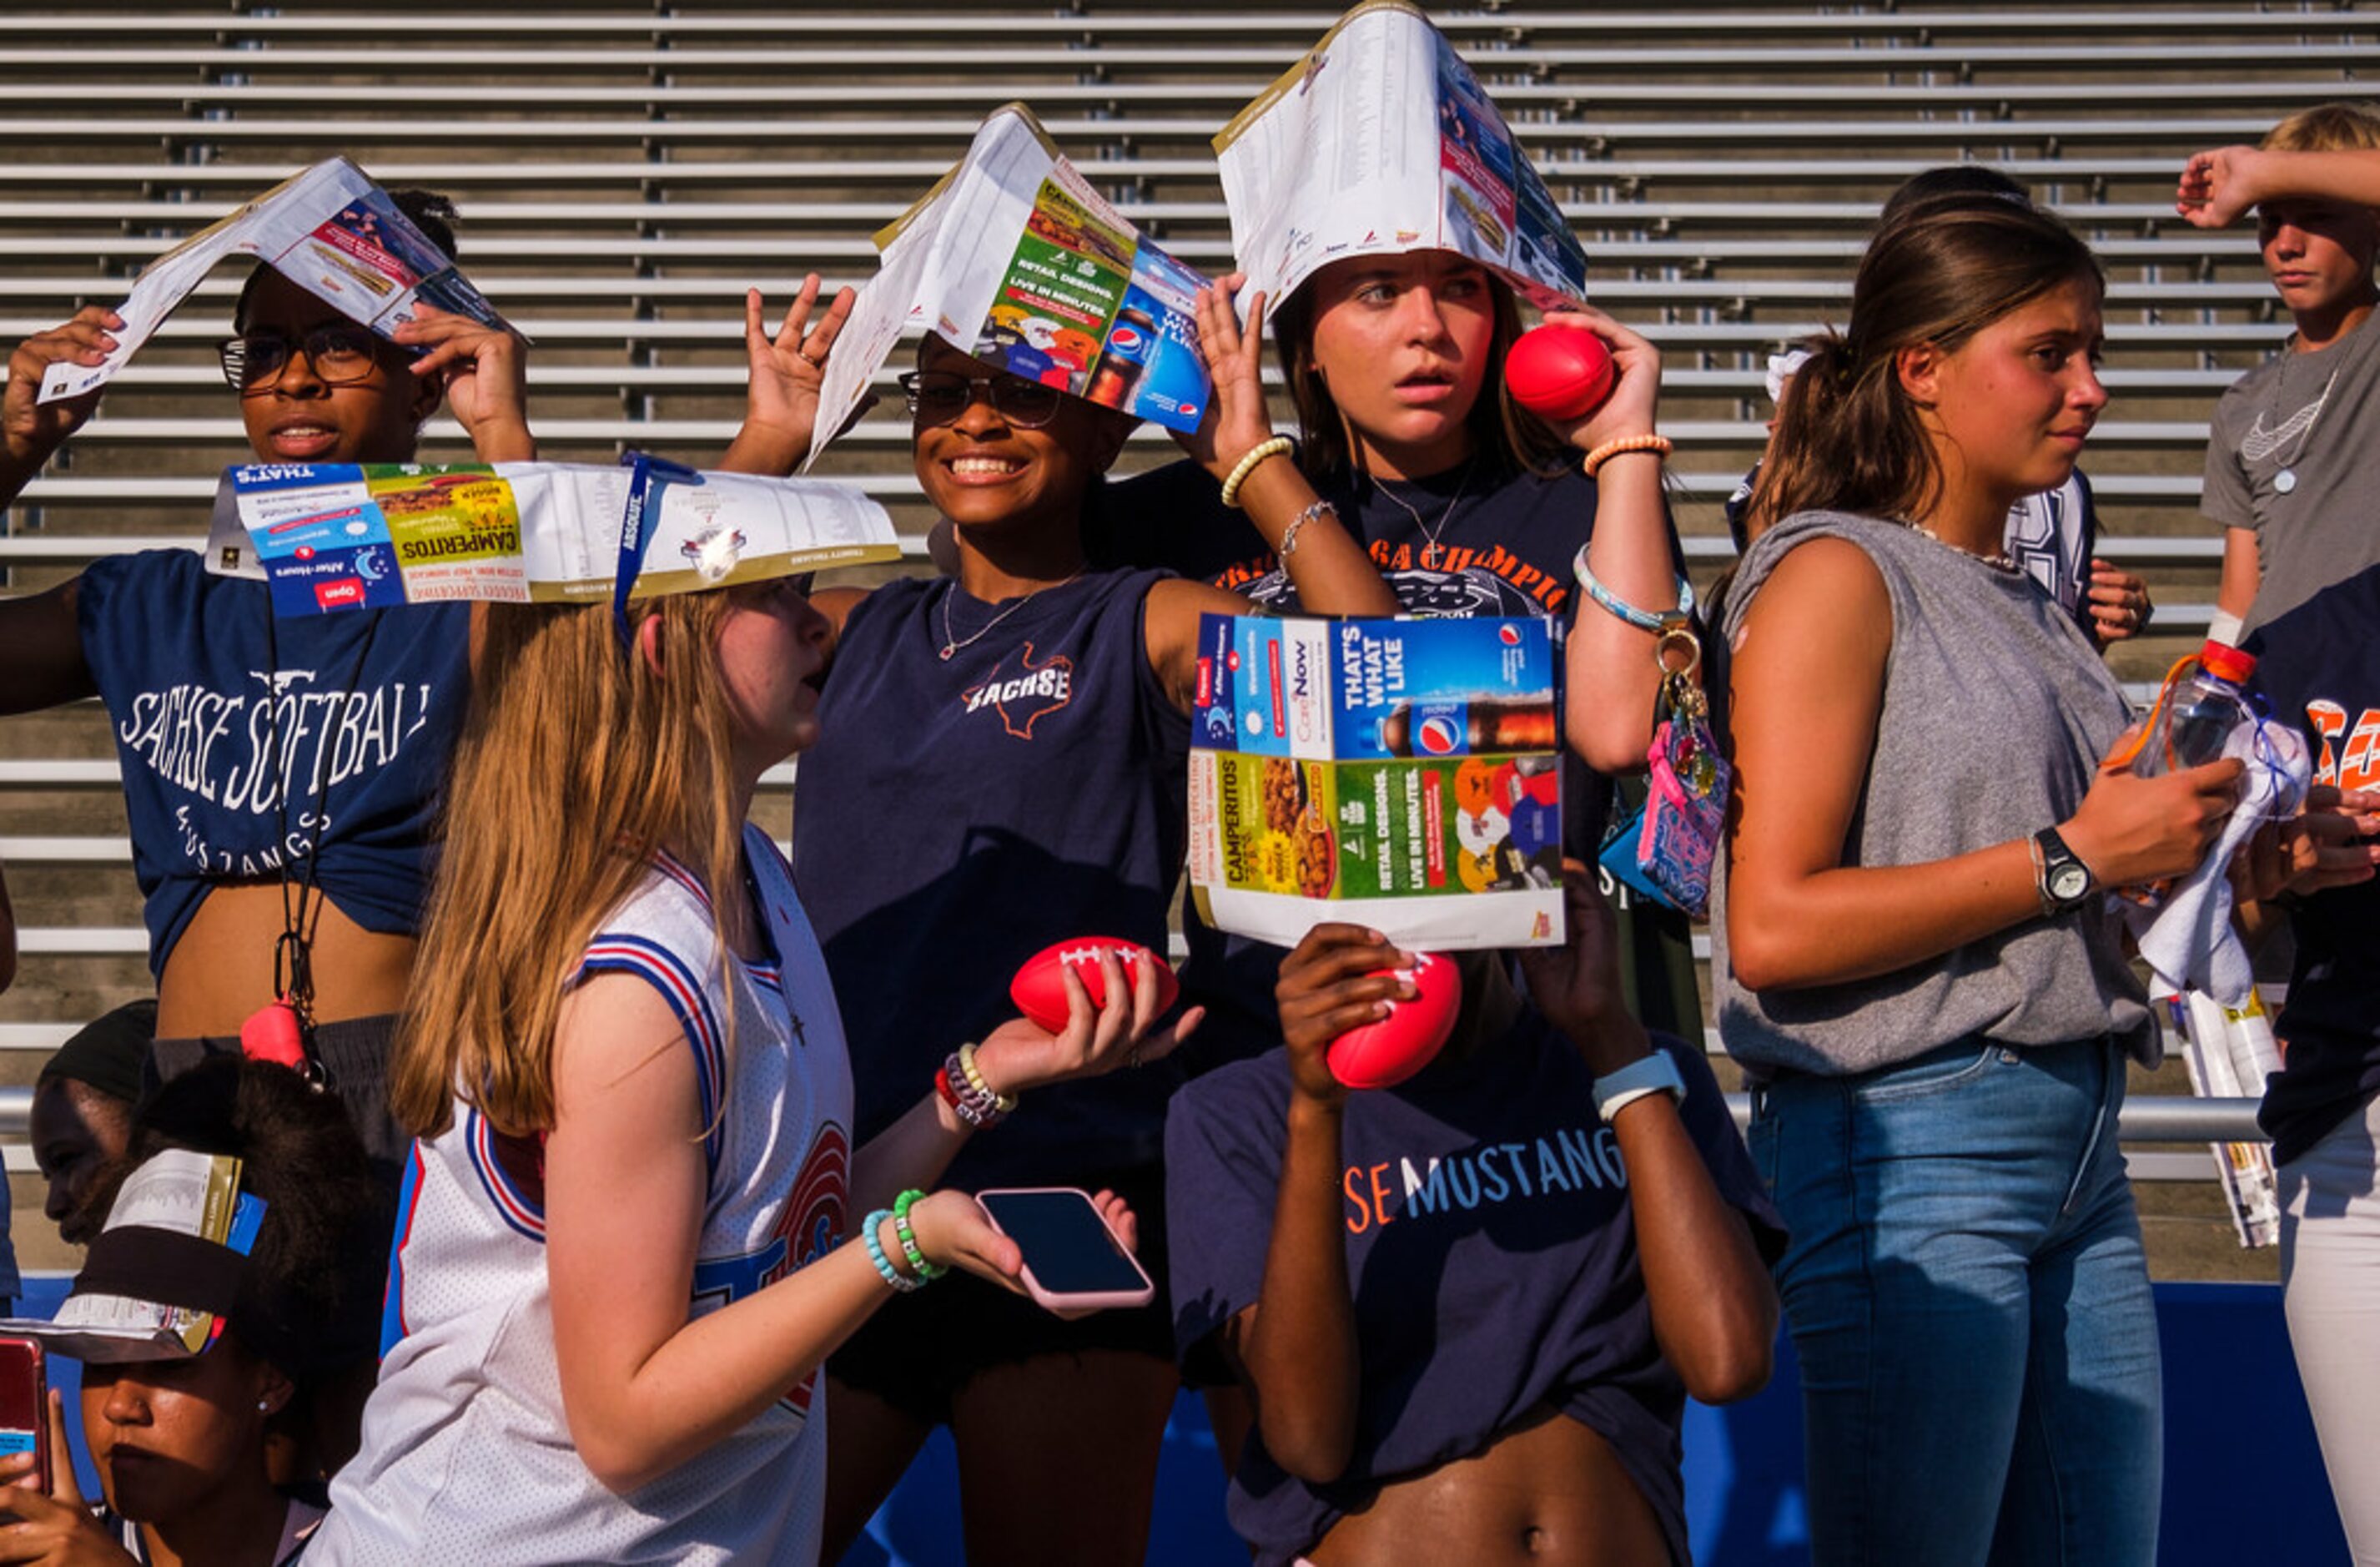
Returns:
(341, 356)
(938, 396)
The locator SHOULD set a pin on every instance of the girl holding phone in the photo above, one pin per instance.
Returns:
(1468, 1309)
(1003, 768)
(632, 1224)
(1915, 958)
(183, 1446)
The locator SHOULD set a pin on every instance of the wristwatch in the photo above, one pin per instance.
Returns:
(2064, 882)
(1655, 1074)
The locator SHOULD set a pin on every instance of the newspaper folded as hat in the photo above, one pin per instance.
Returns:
(163, 1270)
(330, 231)
(1014, 257)
(1382, 141)
(333, 537)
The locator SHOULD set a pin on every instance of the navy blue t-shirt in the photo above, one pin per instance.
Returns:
(957, 815)
(367, 707)
(2319, 667)
(1491, 1254)
(1508, 542)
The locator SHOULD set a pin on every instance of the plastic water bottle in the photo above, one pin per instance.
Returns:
(2197, 717)
(2191, 723)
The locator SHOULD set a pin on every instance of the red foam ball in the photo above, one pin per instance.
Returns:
(1382, 1054)
(1039, 988)
(1558, 370)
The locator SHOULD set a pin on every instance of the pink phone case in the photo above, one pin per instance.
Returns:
(1093, 1300)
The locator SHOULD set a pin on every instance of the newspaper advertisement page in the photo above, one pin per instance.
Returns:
(1400, 773)
(1382, 140)
(1016, 258)
(181, 1192)
(331, 537)
(330, 230)
(2229, 1051)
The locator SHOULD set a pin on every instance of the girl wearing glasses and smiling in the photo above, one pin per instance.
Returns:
(1003, 768)
(280, 780)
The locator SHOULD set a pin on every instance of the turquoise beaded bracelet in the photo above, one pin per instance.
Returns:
(893, 1275)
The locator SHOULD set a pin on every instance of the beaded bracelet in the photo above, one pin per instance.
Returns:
(978, 1109)
(1643, 620)
(1005, 1103)
(1620, 445)
(926, 1271)
(1289, 534)
(891, 1275)
(1278, 446)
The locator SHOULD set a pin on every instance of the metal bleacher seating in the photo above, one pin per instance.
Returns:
(624, 171)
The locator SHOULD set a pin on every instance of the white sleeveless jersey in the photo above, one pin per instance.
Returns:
(467, 1456)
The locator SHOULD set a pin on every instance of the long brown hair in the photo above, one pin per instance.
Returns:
(1848, 437)
(1510, 438)
(577, 759)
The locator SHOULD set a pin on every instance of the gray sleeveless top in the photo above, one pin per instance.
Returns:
(1996, 713)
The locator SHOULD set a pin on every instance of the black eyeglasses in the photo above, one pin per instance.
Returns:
(937, 397)
(341, 356)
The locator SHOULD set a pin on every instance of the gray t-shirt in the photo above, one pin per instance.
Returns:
(1996, 714)
(2317, 419)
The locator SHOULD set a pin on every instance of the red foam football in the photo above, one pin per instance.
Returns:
(1558, 370)
(1382, 1054)
(1039, 988)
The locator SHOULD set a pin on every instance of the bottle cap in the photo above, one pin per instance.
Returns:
(2226, 663)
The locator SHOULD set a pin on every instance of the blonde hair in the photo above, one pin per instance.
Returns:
(2343, 126)
(577, 760)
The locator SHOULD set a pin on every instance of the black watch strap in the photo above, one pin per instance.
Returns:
(2064, 882)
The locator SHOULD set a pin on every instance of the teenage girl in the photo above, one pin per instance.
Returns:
(1003, 768)
(1468, 505)
(1468, 1309)
(1916, 961)
(280, 778)
(183, 1446)
(631, 1231)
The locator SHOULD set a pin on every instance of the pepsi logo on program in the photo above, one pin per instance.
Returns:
(1439, 737)
(1508, 634)
(1125, 340)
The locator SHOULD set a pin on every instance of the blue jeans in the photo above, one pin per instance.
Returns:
(1971, 1309)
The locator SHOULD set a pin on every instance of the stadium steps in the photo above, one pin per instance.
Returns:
(624, 171)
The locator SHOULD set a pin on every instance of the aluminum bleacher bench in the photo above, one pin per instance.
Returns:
(1296, 27)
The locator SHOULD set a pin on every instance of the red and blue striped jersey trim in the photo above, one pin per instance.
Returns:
(669, 865)
(514, 1207)
(619, 953)
(408, 1201)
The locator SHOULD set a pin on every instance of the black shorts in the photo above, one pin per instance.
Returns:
(355, 1055)
(921, 1349)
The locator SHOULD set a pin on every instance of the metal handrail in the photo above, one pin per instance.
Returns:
(2149, 1118)
(2161, 1118)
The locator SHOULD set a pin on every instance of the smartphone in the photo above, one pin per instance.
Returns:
(1073, 1262)
(25, 1404)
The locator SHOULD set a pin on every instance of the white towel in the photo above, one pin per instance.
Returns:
(2188, 940)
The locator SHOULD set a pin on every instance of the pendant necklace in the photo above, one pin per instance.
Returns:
(952, 642)
(2261, 443)
(1432, 552)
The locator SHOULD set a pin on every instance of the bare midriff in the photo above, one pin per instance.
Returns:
(1547, 1490)
(222, 969)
